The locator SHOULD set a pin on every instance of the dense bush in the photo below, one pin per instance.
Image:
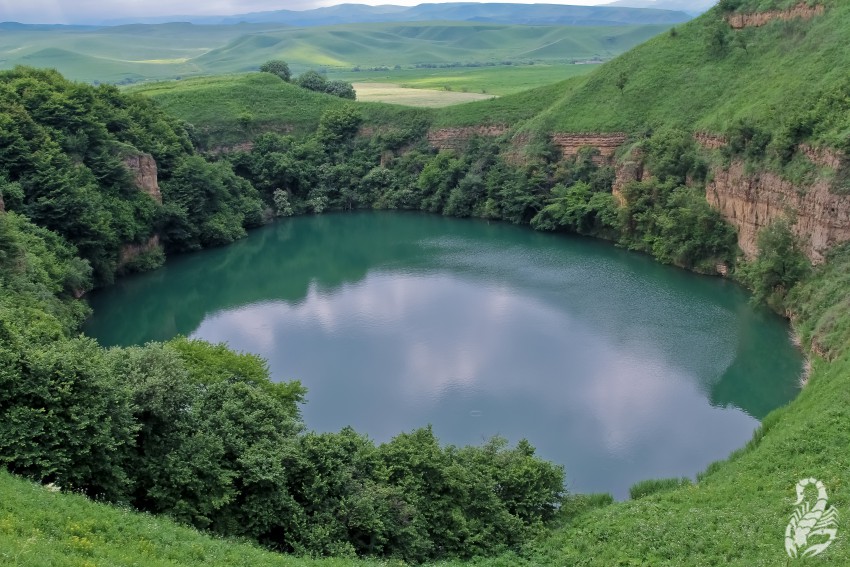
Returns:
(315, 81)
(278, 68)
(779, 266)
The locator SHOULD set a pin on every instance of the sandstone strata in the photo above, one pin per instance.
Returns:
(710, 141)
(143, 168)
(758, 19)
(458, 138)
(607, 144)
(823, 157)
(751, 202)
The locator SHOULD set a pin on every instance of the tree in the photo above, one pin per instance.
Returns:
(780, 263)
(341, 89)
(312, 80)
(338, 126)
(277, 67)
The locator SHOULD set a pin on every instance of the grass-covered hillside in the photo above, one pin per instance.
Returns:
(786, 78)
(233, 109)
(134, 53)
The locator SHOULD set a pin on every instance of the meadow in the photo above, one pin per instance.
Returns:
(409, 96)
(497, 80)
(136, 53)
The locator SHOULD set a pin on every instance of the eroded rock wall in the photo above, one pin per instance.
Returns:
(753, 201)
(758, 19)
(457, 138)
(606, 143)
(143, 168)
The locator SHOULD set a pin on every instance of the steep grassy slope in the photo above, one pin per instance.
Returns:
(709, 77)
(39, 528)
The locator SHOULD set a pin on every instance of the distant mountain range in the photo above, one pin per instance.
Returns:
(549, 14)
(693, 7)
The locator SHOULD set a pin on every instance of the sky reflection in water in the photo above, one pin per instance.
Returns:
(616, 367)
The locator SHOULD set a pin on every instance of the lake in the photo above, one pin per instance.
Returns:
(609, 363)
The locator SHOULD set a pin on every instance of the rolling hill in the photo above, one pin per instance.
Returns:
(459, 11)
(137, 52)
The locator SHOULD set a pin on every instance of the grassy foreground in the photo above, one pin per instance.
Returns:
(40, 528)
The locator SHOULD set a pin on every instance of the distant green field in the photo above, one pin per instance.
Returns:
(497, 80)
(136, 53)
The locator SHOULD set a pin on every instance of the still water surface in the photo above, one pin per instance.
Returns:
(615, 366)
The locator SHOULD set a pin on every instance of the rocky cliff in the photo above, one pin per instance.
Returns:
(457, 138)
(753, 201)
(606, 143)
(758, 19)
(143, 168)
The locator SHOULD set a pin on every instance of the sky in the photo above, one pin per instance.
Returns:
(76, 11)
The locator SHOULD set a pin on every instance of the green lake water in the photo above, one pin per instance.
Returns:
(617, 367)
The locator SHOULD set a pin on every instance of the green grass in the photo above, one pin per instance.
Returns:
(232, 109)
(228, 110)
(497, 80)
(154, 52)
(785, 70)
(39, 528)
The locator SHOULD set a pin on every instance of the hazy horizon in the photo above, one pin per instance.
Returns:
(94, 11)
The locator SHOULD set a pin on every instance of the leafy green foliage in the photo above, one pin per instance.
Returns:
(314, 81)
(62, 164)
(779, 266)
(278, 68)
(207, 205)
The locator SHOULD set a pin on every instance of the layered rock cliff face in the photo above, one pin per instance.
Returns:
(753, 201)
(758, 19)
(457, 138)
(606, 143)
(143, 168)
